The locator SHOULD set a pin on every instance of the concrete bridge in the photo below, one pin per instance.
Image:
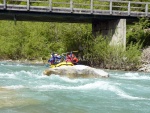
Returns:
(108, 17)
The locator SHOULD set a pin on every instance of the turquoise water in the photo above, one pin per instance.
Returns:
(24, 89)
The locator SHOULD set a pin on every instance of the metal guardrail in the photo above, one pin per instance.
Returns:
(95, 7)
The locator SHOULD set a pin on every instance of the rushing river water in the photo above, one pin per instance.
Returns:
(24, 89)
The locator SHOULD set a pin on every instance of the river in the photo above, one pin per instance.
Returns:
(24, 89)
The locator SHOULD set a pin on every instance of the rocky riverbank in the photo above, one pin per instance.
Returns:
(145, 60)
(144, 68)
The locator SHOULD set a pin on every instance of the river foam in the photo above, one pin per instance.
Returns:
(133, 76)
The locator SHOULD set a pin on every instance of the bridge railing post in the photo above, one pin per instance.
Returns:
(5, 5)
(110, 7)
(28, 5)
(50, 5)
(129, 4)
(71, 5)
(91, 6)
(146, 9)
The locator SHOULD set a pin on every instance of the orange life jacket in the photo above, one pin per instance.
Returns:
(75, 60)
(71, 58)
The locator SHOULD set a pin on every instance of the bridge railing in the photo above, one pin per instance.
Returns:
(99, 7)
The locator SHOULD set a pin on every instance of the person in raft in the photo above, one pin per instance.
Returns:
(71, 58)
(55, 59)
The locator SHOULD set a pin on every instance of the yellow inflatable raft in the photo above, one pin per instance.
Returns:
(62, 64)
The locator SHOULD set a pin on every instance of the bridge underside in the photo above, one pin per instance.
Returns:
(55, 17)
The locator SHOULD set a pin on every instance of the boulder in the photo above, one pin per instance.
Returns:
(76, 71)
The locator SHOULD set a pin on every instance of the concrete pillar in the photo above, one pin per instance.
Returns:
(114, 29)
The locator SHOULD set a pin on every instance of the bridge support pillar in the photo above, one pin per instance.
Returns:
(114, 29)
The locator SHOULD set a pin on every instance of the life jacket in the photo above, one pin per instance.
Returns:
(75, 60)
(71, 58)
(52, 59)
(57, 58)
(68, 58)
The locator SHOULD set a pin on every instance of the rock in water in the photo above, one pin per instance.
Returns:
(76, 71)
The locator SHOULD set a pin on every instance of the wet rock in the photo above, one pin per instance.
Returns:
(76, 71)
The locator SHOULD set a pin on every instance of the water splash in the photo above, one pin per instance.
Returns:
(132, 76)
(14, 87)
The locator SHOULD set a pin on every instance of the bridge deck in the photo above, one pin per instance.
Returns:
(69, 10)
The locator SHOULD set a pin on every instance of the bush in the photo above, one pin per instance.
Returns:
(139, 33)
(114, 56)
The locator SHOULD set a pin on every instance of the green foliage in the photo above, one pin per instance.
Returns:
(114, 56)
(133, 54)
(33, 40)
(139, 33)
(26, 39)
(75, 35)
